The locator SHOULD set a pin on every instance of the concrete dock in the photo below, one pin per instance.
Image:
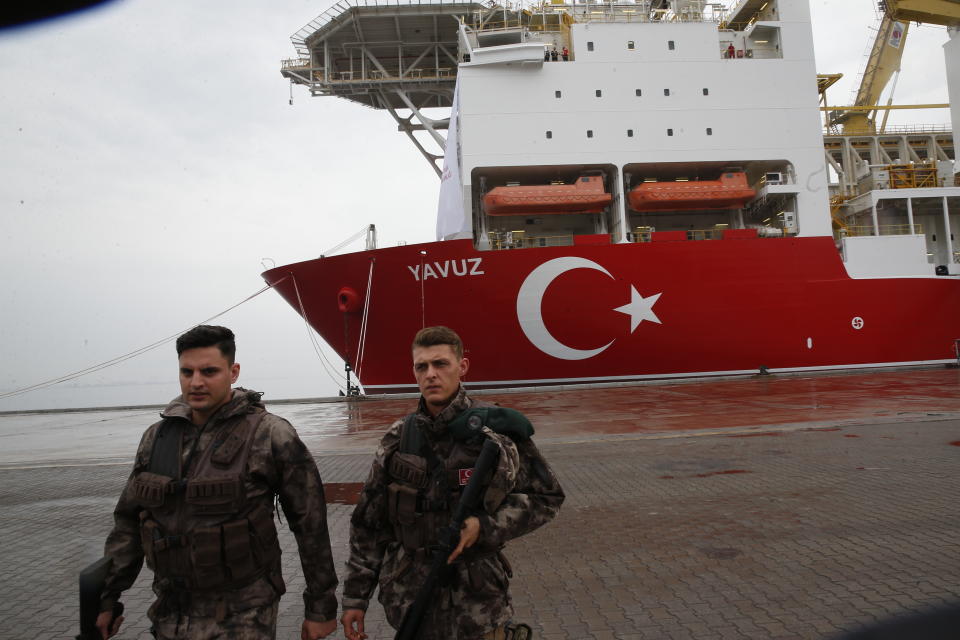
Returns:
(764, 507)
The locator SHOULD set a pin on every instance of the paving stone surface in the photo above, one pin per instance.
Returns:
(795, 532)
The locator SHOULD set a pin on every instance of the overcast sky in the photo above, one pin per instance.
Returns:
(150, 160)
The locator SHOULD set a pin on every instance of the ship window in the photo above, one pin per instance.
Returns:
(706, 91)
(671, 45)
(589, 133)
(666, 92)
(669, 132)
(629, 133)
(639, 93)
(599, 93)
(549, 134)
(557, 93)
(630, 44)
(709, 131)
(589, 46)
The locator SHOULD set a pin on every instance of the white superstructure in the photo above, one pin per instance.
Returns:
(642, 98)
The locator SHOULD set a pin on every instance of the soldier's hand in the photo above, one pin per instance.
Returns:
(352, 620)
(468, 536)
(311, 630)
(107, 626)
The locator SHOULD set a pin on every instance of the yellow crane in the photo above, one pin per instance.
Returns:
(942, 12)
(884, 61)
(885, 56)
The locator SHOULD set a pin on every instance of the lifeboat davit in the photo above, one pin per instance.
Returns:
(586, 195)
(731, 191)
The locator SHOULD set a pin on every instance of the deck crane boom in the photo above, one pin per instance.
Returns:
(883, 63)
(941, 12)
(886, 53)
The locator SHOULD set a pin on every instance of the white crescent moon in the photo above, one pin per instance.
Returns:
(530, 301)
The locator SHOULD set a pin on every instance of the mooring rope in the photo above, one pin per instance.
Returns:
(366, 316)
(126, 356)
(327, 366)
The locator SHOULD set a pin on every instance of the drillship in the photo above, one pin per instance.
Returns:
(634, 190)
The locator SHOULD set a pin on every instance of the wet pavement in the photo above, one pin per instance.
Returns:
(764, 507)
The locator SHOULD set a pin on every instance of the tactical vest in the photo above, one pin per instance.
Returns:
(424, 489)
(200, 532)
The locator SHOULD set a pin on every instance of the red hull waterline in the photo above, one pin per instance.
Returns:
(570, 315)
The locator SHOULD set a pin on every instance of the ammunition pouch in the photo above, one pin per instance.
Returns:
(415, 519)
(228, 555)
(402, 511)
(215, 496)
(151, 489)
(409, 468)
(206, 551)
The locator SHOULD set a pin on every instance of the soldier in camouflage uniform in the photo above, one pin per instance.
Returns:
(199, 508)
(409, 494)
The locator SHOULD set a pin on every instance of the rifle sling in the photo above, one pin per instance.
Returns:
(165, 456)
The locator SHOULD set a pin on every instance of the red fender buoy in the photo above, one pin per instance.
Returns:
(348, 300)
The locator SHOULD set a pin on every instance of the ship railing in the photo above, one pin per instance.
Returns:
(767, 54)
(645, 235)
(378, 76)
(333, 13)
(705, 234)
(510, 240)
(295, 63)
(884, 229)
(640, 11)
(605, 13)
(898, 129)
(736, 26)
(528, 30)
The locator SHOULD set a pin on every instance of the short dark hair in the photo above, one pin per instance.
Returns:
(432, 336)
(206, 335)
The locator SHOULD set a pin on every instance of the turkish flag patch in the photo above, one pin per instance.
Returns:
(465, 476)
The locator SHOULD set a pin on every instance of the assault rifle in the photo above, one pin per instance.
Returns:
(92, 580)
(449, 539)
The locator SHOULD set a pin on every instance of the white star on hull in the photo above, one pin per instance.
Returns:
(640, 308)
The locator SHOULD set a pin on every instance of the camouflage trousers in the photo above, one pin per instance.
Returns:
(258, 623)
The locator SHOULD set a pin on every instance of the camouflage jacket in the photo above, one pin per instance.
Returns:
(522, 495)
(279, 464)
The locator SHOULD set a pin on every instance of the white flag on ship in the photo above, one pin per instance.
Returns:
(451, 219)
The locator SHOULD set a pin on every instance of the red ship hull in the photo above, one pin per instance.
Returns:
(566, 315)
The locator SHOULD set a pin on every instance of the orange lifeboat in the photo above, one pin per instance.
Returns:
(586, 195)
(731, 191)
